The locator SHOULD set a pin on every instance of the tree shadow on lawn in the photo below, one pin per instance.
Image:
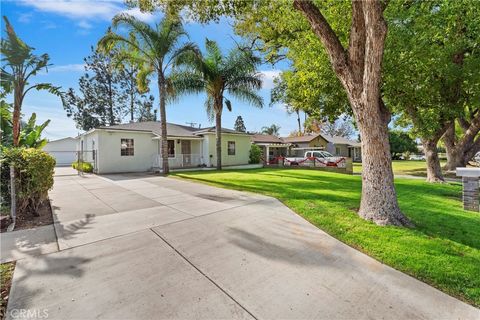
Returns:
(442, 248)
(435, 209)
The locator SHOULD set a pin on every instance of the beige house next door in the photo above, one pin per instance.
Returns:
(186, 152)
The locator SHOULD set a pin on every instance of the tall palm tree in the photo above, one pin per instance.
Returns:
(273, 130)
(19, 64)
(234, 74)
(156, 50)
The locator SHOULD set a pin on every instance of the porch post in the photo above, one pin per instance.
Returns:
(267, 156)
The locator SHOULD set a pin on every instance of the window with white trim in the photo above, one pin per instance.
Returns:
(231, 148)
(171, 148)
(126, 147)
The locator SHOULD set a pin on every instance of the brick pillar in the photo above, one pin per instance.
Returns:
(470, 193)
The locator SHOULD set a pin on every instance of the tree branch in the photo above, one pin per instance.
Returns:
(323, 30)
(356, 48)
(376, 30)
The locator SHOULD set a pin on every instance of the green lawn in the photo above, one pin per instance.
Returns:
(443, 249)
(6, 274)
(408, 167)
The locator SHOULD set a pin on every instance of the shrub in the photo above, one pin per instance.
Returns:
(84, 166)
(255, 154)
(34, 171)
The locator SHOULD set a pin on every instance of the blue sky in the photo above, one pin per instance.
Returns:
(66, 29)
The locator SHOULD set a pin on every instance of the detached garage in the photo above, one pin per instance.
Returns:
(63, 150)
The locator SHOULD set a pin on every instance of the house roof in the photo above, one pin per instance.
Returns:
(173, 130)
(266, 138)
(61, 139)
(340, 140)
(328, 138)
(224, 130)
(305, 138)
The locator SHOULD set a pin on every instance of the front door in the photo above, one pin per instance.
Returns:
(186, 152)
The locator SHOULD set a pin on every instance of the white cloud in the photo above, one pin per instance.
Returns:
(25, 17)
(143, 16)
(74, 67)
(76, 9)
(88, 10)
(84, 24)
(47, 24)
(268, 77)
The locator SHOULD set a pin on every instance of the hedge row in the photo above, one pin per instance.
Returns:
(34, 170)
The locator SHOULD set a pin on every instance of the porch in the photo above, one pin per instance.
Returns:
(182, 153)
(272, 151)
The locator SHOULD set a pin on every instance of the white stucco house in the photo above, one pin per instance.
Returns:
(63, 150)
(136, 147)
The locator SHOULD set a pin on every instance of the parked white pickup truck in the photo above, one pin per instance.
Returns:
(311, 157)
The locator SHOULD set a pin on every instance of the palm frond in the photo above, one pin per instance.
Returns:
(228, 104)
(251, 81)
(186, 82)
(246, 95)
(210, 108)
(146, 33)
(187, 54)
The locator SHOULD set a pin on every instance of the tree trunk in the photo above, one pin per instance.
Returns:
(379, 198)
(218, 133)
(163, 126)
(17, 106)
(359, 71)
(460, 152)
(299, 123)
(132, 106)
(434, 170)
(110, 105)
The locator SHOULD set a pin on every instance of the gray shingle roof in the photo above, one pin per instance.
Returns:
(331, 139)
(340, 140)
(306, 138)
(173, 130)
(266, 138)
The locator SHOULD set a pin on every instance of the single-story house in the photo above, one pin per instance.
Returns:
(272, 146)
(63, 150)
(338, 146)
(136, 147)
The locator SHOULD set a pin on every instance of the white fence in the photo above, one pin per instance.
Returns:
(179, 161)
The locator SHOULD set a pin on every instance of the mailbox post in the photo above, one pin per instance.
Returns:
(470, 178)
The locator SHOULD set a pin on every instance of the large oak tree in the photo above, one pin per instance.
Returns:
(358, 66)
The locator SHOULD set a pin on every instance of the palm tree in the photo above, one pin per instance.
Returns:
(19, 64)
(273, 130)
(156, 50)
(234, 74)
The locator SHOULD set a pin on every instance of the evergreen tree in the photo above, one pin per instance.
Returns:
(103, 94)
(145, 111)
(239, 125)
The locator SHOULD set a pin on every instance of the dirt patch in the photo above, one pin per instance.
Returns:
(28, 220)
(6, 274)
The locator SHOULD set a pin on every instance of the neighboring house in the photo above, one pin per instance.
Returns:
(63, 150)
(272, 146)
(338, 146)
(135, 147)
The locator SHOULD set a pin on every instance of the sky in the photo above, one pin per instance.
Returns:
(67, 29)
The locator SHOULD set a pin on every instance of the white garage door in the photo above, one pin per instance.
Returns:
(64, 158)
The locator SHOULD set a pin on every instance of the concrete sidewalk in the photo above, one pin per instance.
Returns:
(143, 247)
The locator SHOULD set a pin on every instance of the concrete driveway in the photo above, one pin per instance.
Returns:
(143, 247)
